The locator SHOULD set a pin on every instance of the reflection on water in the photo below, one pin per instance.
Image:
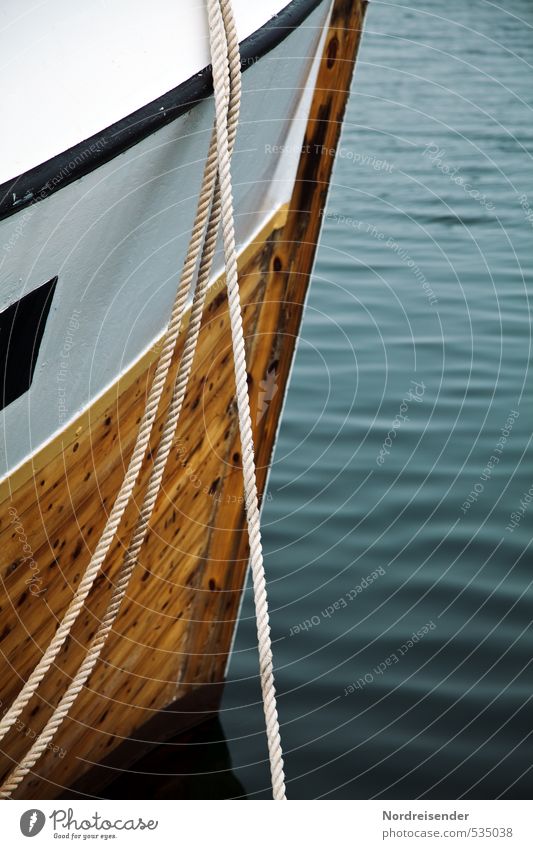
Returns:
(397, 536)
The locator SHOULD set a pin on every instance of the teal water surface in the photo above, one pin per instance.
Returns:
(398, 524)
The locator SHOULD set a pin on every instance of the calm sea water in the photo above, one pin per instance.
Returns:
(399, 500)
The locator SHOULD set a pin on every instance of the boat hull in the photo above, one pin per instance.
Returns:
(173, 636)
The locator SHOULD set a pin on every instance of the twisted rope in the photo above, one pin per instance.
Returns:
(219, 58)
(216, 193)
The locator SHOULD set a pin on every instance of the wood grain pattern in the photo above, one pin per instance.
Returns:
(175, 627)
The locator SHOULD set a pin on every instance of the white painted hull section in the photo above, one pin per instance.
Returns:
(69, 69)
(117, 237)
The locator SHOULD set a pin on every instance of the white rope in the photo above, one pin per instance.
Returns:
(219, 58)
(216, 194)
(136, 461)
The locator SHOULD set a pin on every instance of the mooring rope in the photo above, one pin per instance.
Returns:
(215, 198)
(136, 460)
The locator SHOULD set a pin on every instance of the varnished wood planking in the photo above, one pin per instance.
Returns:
(175, 627)
(146, 649)
(290, 263)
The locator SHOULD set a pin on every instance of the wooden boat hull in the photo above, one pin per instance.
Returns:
(171, 642)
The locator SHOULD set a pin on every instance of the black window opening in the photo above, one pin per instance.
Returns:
(21, 331)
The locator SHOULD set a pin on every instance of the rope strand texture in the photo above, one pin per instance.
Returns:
(136, 460)
(219, 58)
